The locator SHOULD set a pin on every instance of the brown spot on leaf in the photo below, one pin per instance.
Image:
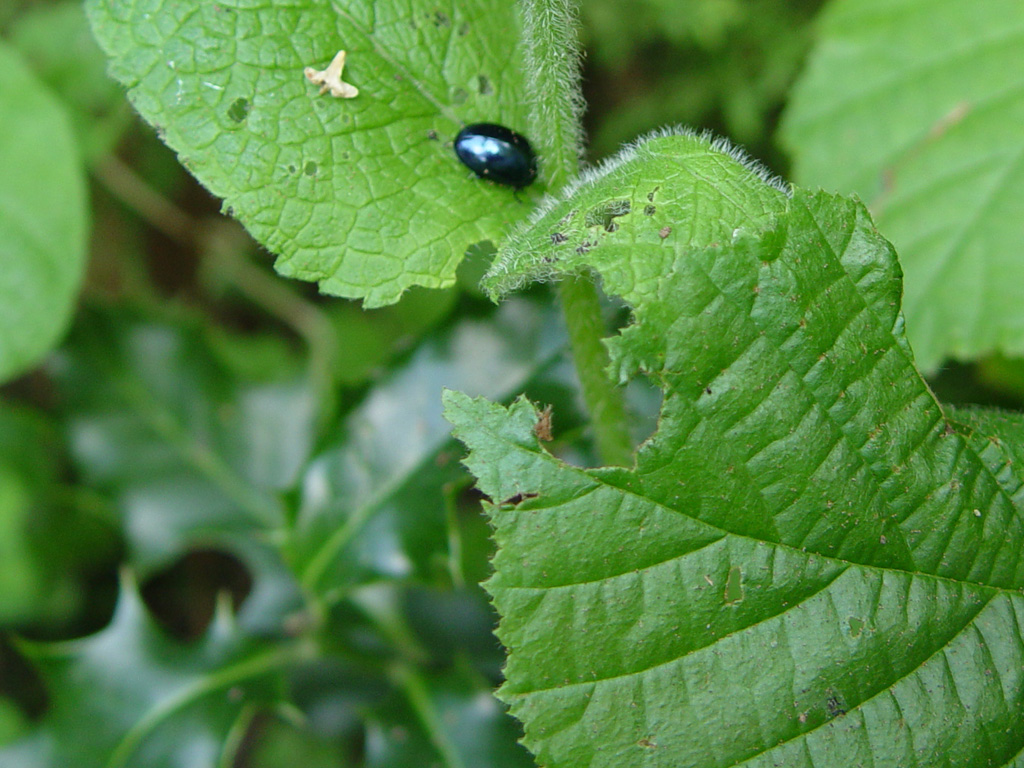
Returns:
(542, 429)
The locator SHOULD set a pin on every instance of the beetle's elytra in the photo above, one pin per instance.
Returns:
(497, 153)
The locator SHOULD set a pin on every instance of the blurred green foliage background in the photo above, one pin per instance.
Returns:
(179, 295)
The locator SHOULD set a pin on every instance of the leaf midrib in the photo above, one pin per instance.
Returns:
(724, 533)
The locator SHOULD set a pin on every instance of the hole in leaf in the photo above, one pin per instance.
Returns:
(239, 109)
(310, 168)
(518, 498)
(734, 586)
(835, 705)
(482, 249)
(478, 258)
(459, 96)
(644, 399)
(484, 85)
(605, 215)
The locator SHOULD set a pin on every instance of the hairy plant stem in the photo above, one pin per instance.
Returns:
(552, 65)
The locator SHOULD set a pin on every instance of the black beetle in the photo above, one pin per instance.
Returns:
(497, 153)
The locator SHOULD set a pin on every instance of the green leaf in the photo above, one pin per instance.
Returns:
(21, 573)
(129, 695)
(374, 505)
(12, 722)
(281, 745)
(372, 339)
(56, 41)
(807, 565)
(193, 451)
(916, 108)
(998, 435)
(43, 217)
(672, 186)
(363, 195)
(249, 434)
(44, 541)
(453, 721)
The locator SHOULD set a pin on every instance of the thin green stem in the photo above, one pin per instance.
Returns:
(121, 180)
(261, 509)
(236, 735)
(235, 674)
(552, 68)
(603, 398)
(409, 680)
(451, 516)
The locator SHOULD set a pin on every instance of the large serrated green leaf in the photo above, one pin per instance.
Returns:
(806, 567)
(363, 195)
(43, 217)
(916, 107)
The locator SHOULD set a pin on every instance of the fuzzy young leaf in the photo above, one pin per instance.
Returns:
(43, 217)
(807, 565)
(363, 195)
(916, 108)
(672, 186)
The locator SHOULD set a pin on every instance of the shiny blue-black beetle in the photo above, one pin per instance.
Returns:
(497, 153)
